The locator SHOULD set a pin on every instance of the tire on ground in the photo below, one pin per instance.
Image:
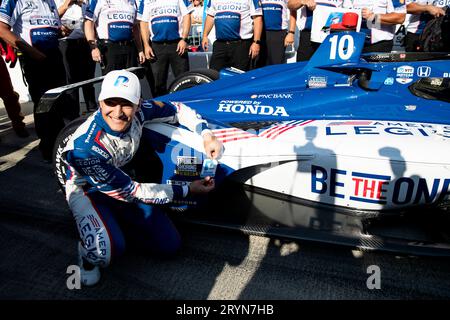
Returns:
(59, 167)
(193, 78)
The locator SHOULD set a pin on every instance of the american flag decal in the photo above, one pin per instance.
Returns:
(232, 134)
(277, 130)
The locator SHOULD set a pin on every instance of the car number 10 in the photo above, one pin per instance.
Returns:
(344, 49)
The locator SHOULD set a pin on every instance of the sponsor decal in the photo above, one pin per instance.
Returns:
(374, 188)
(87, 162)
(187, 166)
(121, 81)
(405, 74)
(389, 81)
(410, 107)
(423, 71)
(177, 183)
(99, 151)
(317, 82)
(30, 5)
(436, 82)
(90, 133)
(390, 128)
(251, 107)
(446, 75)
(272, 96)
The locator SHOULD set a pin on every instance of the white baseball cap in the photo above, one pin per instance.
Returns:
(121, 84)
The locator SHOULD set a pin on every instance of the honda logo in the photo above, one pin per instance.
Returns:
(423, 71)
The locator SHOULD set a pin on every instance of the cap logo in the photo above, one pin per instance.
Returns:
(121, 81)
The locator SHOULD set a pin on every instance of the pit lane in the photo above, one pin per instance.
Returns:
(38, 243)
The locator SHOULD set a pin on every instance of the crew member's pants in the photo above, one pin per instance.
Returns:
(231, 54)
(306, 47)
(9, 97)
(106, 224)
(273, 50)
(79, 67)
(166, 54)
(412, 42)
(42, 76)
(118, 55)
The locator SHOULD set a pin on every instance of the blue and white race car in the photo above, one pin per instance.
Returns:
(344, 148)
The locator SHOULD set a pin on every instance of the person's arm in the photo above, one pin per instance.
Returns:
(62, 9)
(145, 36)
(158, 111)
(386, 18)
(209, 24)
(289, 39)
(257, 31)
(112, 181)
(89, 31)
(138, 42)
(16, 42)
(297, 4)
(182, 44)
(415, 8)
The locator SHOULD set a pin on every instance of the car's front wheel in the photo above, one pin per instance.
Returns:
(193, 78)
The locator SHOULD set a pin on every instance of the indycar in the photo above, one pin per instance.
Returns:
(346, 148)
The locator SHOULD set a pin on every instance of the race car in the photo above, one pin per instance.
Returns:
(344, 148)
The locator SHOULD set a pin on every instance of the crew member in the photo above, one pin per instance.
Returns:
(238, 25)
(279, 31)
(35, 32)
(75, 50)
(114, 22)
(306, 47)
(108, 206)
(379, 21)
(8, 95)
(165, 27)
(419, 13)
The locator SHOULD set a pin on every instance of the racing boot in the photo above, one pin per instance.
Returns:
(90, 274)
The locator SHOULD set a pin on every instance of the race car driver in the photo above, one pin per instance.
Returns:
(108, 206)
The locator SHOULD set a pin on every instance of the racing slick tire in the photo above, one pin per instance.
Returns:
(193, 78)
(59, 167)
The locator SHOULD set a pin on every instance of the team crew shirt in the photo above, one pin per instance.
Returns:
(275, 14)
(385, 32)
(233, 18)
(415, 23)
(114, 20)
(36, 22)
(164, 17)
(73, 19)
(306, 15)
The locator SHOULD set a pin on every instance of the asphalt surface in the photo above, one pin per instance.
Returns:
(38, 242)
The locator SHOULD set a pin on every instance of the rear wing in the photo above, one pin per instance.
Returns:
(49, 99)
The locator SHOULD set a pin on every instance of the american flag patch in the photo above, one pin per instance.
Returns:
(94, 221)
